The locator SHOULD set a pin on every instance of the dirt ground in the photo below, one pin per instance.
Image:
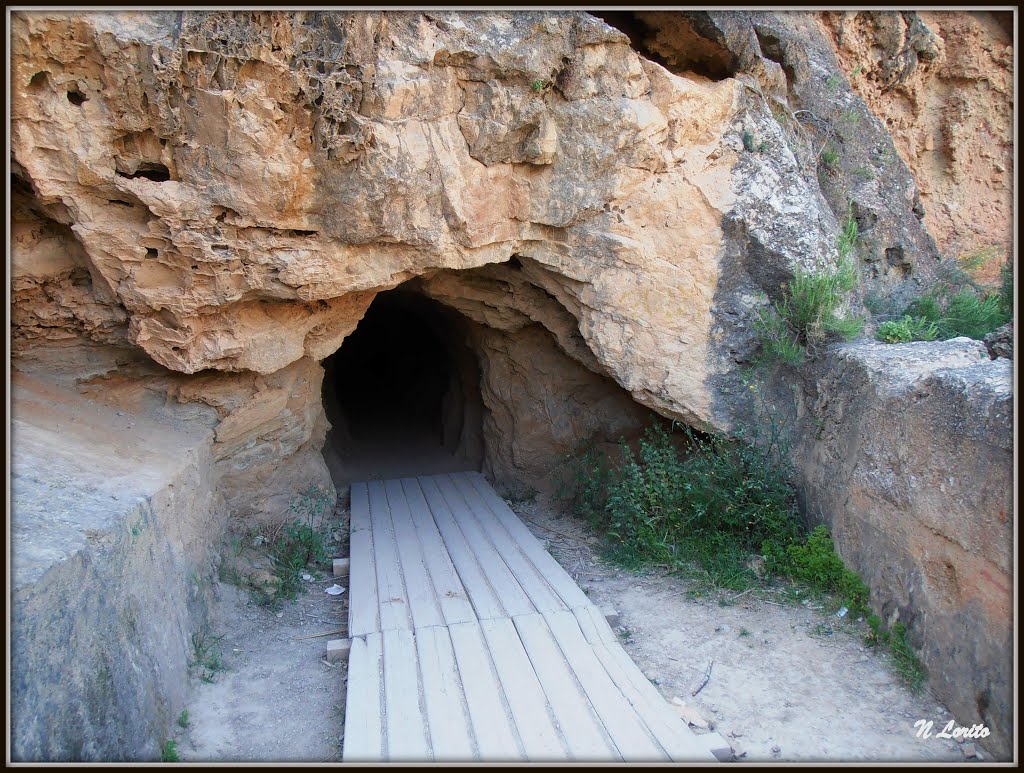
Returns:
(277, 699)
(787, 682)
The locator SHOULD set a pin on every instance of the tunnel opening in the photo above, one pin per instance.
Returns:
(402, 393)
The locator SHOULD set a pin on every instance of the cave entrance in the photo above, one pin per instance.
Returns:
(403, 393)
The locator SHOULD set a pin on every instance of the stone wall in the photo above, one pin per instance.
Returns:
(907, 455)
(115, 527)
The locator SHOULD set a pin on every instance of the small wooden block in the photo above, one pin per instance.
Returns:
(612, 616)
(716, 745)
(338, 649)
(341, 567)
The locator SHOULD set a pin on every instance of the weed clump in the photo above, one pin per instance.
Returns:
(169, 751)
(907, 329)
(909, 668)
(809, 312)
(291, 548)
(207, 658)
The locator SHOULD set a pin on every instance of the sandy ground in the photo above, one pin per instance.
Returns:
(278, 699)
(788, 682)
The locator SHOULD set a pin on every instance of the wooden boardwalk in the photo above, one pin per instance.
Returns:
(470, 642)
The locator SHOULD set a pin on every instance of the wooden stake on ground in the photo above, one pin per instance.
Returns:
(338, 649)
(704, 681)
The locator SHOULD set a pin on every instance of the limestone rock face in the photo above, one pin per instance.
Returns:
(242, 184)
(942, 82)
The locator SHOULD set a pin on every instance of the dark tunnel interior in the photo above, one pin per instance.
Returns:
(403, 393)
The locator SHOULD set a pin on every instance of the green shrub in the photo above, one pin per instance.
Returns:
(715, 506)
(816, 564)
(964, 314)
(808, 313)
(712, 507)
(779, 342)
(907, 329)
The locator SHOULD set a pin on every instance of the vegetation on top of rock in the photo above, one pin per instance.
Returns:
(957, 305)
(907, 329)
(808, 314)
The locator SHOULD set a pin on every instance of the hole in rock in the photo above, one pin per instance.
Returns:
(674, 40)
(39, 82)
(77, 98)
(403, 393)
(150, 170)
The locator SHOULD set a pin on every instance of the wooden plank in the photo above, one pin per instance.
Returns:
(451, 595)
(450, 730)
(666, 726)
(362, 600)
(485, 602)
(510, 593)
(423, 602)
(582, 730)
(523, 691)
(594, 626)
(497, 740)
(391, 597)
(629, 733)
(406, 730)
(533, 582)
(364, 738)
(553, 572)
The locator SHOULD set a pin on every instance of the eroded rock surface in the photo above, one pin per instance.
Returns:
(942, 82)
(912, 468)
(243, 183)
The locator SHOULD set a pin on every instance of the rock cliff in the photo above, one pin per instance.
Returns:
(205, 205)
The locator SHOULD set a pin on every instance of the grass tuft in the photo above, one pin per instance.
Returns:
(810, 312)
(957, 305)
(169, 752)
(207, 657)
